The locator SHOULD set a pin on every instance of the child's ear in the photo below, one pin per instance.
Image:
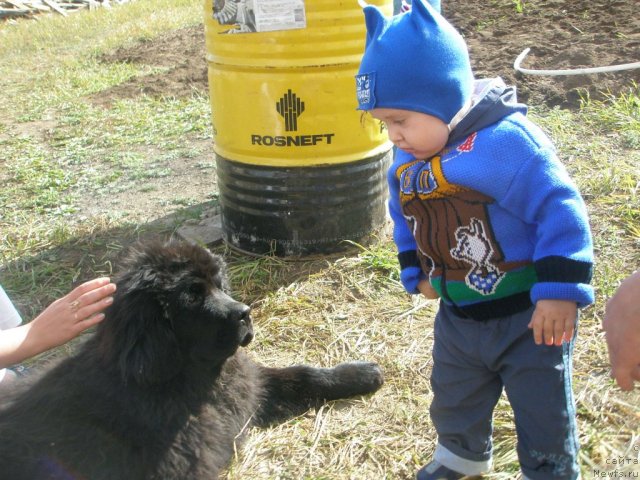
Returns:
(375, 22)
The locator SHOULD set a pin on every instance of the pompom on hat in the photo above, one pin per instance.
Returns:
(414, 61)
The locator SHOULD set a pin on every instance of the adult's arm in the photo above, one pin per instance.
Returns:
(61, 321)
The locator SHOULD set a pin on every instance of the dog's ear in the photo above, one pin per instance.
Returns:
(138, 338)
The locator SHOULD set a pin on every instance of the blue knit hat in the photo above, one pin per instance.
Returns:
(414, 61)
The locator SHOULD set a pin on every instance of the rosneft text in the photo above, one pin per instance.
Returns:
(292, 141)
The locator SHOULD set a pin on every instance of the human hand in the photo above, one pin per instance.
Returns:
(427, 290)
(553, 321)
(621, 325)
(70, 315)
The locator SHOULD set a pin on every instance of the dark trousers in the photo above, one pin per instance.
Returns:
(473, 362)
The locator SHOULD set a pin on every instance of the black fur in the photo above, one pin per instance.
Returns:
(161, 391)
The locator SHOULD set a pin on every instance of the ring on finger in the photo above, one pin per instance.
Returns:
(75, 305)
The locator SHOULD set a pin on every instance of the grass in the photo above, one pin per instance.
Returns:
(518, 5)
(80, 182)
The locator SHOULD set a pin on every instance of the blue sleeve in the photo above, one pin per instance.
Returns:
(410, 271)
(542, 194)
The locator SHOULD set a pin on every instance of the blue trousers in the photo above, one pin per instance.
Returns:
(473, 361)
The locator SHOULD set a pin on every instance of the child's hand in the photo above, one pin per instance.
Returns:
(427, 290)
(553, 321)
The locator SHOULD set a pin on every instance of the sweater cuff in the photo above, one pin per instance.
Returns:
(408, 258)
(555, 268)
(580, 293)
(410, 277)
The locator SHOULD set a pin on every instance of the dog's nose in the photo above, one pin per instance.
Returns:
(246, 328)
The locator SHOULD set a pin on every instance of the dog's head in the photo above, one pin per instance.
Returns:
(171, 312)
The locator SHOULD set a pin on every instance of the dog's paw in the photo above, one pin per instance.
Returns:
(359, 377)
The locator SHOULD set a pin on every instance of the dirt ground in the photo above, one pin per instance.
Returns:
(562, 34)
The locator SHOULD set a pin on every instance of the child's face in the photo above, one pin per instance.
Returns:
(418, 134)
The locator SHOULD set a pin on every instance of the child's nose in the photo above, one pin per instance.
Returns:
(395, 135)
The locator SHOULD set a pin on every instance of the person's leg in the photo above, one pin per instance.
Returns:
(436, 5)
(537, 380)
(465, 393)
(400, 6)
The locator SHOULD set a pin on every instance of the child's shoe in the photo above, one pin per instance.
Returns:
(437, 471)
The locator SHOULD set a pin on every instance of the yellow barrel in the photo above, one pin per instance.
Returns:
(291, 148)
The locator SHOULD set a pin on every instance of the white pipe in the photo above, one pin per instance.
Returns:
(577, 71)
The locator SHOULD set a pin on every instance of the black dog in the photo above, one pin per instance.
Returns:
(161, 391)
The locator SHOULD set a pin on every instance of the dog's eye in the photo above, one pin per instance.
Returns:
(197, 290)
(194, 294)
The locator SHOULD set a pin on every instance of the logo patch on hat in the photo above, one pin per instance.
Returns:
(364, 89)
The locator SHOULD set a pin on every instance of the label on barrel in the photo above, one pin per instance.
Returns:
(248, 16)
(290, 107)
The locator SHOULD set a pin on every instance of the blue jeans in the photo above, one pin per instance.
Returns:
(473, 362)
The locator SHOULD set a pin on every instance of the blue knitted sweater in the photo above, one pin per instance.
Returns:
(493, 220)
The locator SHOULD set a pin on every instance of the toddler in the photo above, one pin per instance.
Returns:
(487, 219)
